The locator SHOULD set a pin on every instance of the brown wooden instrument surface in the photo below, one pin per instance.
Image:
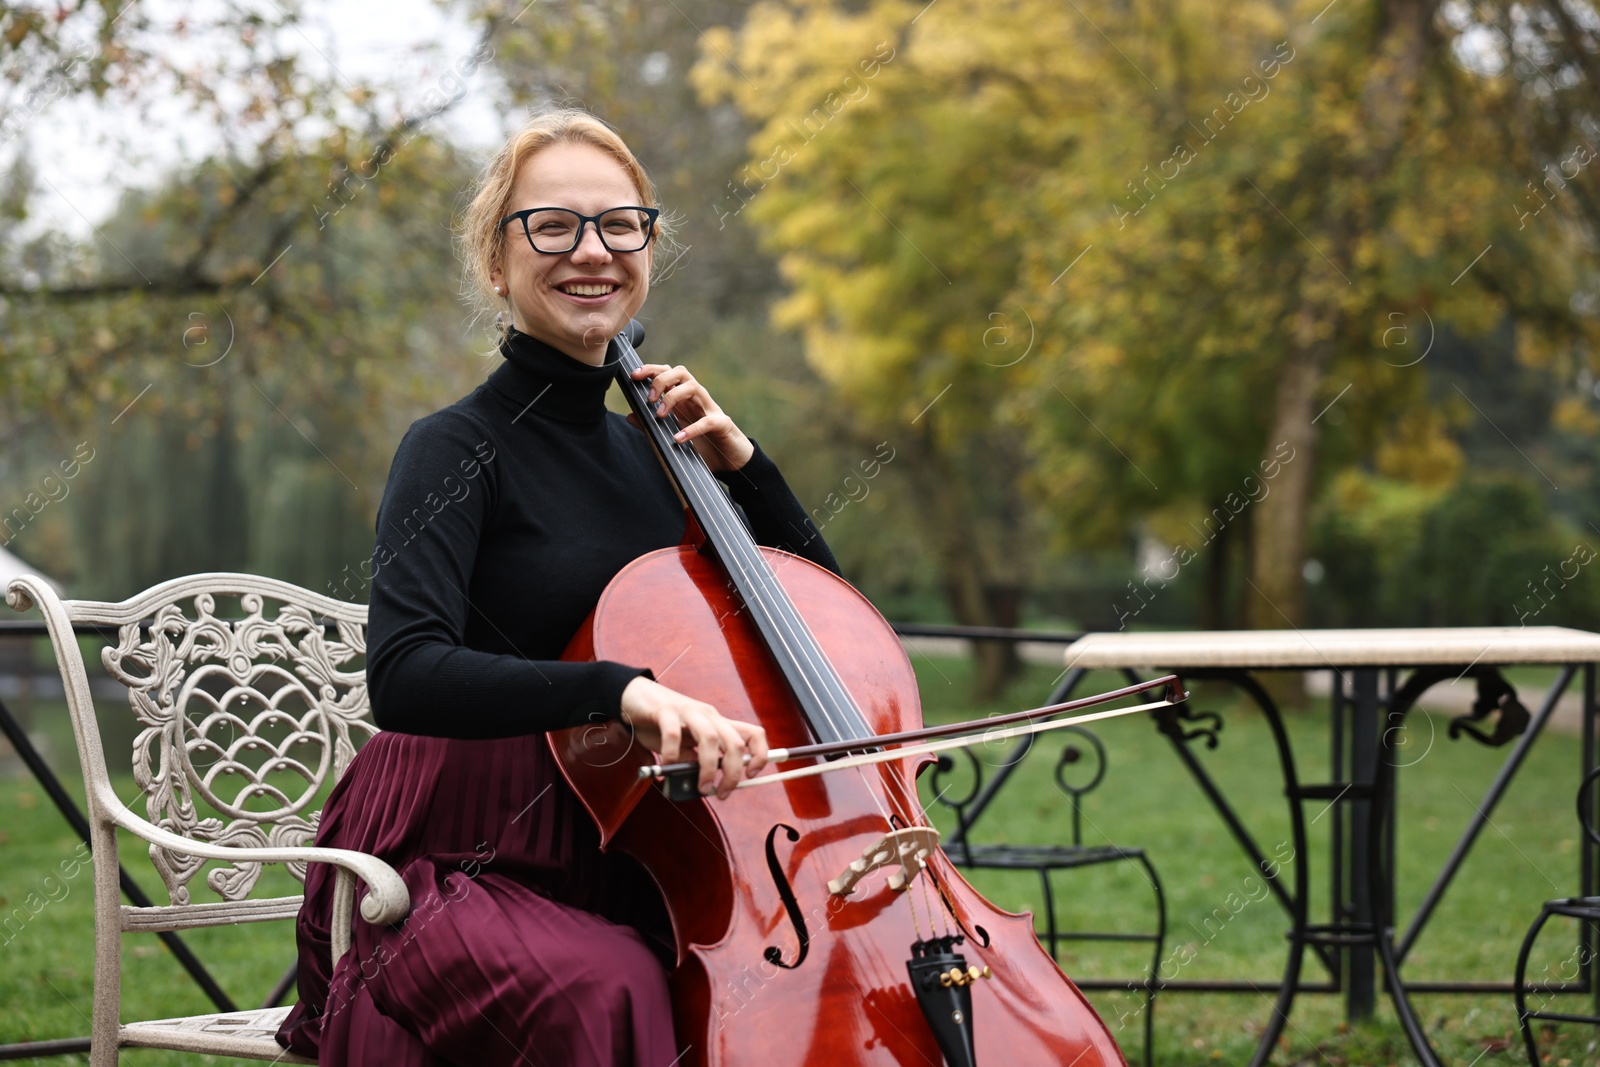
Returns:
(849, 1000)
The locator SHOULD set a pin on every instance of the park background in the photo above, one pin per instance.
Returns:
(1083, 315)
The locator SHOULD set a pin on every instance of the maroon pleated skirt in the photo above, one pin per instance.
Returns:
(524, 943)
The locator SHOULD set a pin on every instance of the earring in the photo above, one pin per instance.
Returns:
(497, 291)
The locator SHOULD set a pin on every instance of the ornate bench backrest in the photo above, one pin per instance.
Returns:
(250, 697)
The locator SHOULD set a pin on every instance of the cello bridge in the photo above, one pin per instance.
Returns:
(905, 850)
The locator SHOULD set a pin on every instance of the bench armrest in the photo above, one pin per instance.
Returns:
(387, 900)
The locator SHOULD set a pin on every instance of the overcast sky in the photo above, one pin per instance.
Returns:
(87, 153)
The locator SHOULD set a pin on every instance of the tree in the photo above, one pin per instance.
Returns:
(1351, 203)
(630, 62)
(233, 341)
(1210, 229)
(879, 177)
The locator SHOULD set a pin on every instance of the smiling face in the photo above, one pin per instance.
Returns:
(578, 301)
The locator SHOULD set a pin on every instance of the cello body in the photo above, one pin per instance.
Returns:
(773, 968)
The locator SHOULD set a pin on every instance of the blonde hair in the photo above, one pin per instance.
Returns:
(483, 240)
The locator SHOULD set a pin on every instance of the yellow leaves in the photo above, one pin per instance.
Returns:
(1420, 451)
(1534, 348)
(713, 76)
(1170, 524)
(994, 145)
(1097, 359)
(802, 305)
(763, 72)
(863, 368)
(812, 223)
(1575, 415)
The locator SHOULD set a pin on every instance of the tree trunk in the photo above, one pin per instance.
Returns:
(1214, 584)
(1276, 599)
(979, 594)
(975, 602)
(996, 663)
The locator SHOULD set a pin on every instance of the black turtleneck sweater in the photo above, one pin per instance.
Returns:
(503, 519)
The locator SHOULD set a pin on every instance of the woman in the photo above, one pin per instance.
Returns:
(504, 517)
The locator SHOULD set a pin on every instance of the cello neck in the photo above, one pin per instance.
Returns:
(827, 705)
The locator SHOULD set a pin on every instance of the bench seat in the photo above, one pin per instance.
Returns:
(235, 1033)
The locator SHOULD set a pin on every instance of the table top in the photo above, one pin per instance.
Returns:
(1311, 649)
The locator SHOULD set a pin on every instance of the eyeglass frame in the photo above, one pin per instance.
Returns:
(651, 213)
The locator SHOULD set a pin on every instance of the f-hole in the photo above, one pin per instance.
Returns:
(773, 953)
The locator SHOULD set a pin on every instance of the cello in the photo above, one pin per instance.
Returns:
(789, 949)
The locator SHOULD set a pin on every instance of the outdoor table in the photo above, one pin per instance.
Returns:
(1370, 703)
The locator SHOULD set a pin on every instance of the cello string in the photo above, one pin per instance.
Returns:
(758, 568)
(746, 558)
(814, 647)
(888, 817)
(822, 679)
(916, 922)
(791, 630)
(807, 641)
(922, 880)
(692, 476)
(890, 773)
(752, 573)
(944, 905)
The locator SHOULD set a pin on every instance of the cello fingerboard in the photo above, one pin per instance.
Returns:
(828, 707)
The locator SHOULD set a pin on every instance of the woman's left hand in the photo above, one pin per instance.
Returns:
(720, 443)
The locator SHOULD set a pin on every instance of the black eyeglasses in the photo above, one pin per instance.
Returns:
(554, 231)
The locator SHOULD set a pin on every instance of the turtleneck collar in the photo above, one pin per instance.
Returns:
(552, 383)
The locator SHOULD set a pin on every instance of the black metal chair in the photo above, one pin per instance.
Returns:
(1585, 910)
(1048, 859)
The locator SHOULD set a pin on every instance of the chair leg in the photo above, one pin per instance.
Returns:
(1517, 985)
(103, 1034)
(1153, 983)
(1052, 937)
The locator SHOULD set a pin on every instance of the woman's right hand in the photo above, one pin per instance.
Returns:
(661, 717)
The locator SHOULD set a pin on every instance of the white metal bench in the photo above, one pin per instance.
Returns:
(246, 702)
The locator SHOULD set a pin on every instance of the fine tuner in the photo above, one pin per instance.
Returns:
(956, 976)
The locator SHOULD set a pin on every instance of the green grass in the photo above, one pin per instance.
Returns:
(1529, 855)
(47, 966)
(47, 953)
